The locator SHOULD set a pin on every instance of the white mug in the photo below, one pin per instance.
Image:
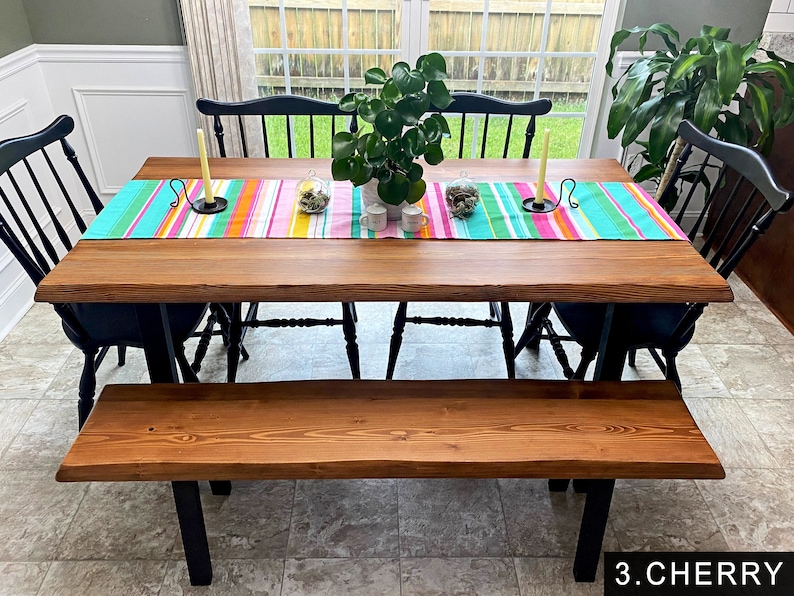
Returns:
(413, 219)
(374, 218)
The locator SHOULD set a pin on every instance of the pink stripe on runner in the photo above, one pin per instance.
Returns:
(622, 212)
(441, 219)
(145, 207)
(275, 206)
(651, 205)
(342, 214)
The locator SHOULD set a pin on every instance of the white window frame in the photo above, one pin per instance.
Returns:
(414, 31)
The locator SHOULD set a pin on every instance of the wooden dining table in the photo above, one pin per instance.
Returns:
(224, 270)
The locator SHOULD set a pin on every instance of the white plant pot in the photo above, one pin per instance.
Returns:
(369, 196)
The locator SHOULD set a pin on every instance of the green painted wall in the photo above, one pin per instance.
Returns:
(14, 30)
(98, 22)
(745, 18)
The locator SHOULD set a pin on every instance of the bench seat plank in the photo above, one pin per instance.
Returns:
(379, 429)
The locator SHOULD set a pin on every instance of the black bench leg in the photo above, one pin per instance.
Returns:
(558, 485)
(591, 534)
(220, 487)
(194, 534)
(580, 486)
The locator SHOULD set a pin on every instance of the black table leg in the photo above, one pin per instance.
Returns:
(194, 534)
(559, 485)
(611, 358)
(396, 338)
(591, 534)
(220, 487)
(158, 345)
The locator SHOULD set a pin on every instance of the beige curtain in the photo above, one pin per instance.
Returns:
(220, 46)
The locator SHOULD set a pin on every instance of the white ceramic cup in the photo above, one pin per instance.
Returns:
(374, 218)
(413, 219)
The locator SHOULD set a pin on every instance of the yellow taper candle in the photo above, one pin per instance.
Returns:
(544, 156)
(209, 198)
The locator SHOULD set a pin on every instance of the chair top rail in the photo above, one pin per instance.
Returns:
(12, 151)
(477, 103)
(274, 105)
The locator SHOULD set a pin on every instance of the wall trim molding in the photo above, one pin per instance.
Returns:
(18, 61)
(75, 54)
(80, 93)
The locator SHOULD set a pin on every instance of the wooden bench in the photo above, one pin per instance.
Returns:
(390, 429)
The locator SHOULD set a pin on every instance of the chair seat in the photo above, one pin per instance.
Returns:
(634, 325)
(116, 324)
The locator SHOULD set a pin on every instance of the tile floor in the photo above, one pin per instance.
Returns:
(409, 537)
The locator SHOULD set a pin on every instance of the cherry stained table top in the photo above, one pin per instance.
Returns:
(295, 270)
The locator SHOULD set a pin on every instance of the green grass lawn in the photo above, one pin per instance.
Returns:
(565, 135)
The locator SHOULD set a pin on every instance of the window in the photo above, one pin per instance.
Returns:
(514, 49)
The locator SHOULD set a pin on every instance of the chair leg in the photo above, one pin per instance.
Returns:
(349, 329)
(122, 355)
(396, 338)
(492, 310)
(506, 326)
(188, 373)
(87, 388)
(588, 356)
(206, 336)
(353, 310)
(530, 338)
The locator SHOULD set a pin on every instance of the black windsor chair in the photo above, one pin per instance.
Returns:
(731, 222)
(476, 105)
(287, 106)
(35, 206)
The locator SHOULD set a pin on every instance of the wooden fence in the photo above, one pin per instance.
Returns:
(455, 25)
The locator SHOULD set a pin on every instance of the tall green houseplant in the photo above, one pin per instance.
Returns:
(700, 79)
(399, 133)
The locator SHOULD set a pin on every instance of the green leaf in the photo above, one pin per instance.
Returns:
(779, 70)
(390, 93)
(732, 130)
(375, 76)
(407, 80)
(666, 32)
(420, 61)
(648, 172)
(664, 127)
(618, 38)
(639, 119)
(707, 106)
(395, 190)
(344, 169)
(360, 98)
(413, 107)
(370, 109)
(762, 99)
(348, 103)
(343, 145)
(720, 33)
(389, 124)
(361, 146)
(384, 175)
(730, 68)
(415, 173)
(375, 147)
(439, 94)
(394, 149)
(443, 123)
(433, 154)
(432, 129)
(416, 190)
(364, 174)
(413, 142)
(433, 67)
(750, 49)
(628, 97)
(684, 65)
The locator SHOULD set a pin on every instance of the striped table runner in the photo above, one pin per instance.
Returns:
(267, 209)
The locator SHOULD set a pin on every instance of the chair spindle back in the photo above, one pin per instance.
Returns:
(473, 104)
(26, 191)
(745, 213)
(275, 105)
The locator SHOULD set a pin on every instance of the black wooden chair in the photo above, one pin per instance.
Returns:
(472, 105)
(253, 113)
(739, 208)
(38, 218)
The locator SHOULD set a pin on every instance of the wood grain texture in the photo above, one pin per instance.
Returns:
(295, 270)
(387, 429)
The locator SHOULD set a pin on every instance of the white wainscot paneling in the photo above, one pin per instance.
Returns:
(124, 126)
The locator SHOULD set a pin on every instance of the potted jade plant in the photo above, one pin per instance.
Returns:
(699, 79)
(382, 157)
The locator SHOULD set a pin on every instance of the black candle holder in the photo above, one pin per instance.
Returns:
(548, 206)
(199, 205)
